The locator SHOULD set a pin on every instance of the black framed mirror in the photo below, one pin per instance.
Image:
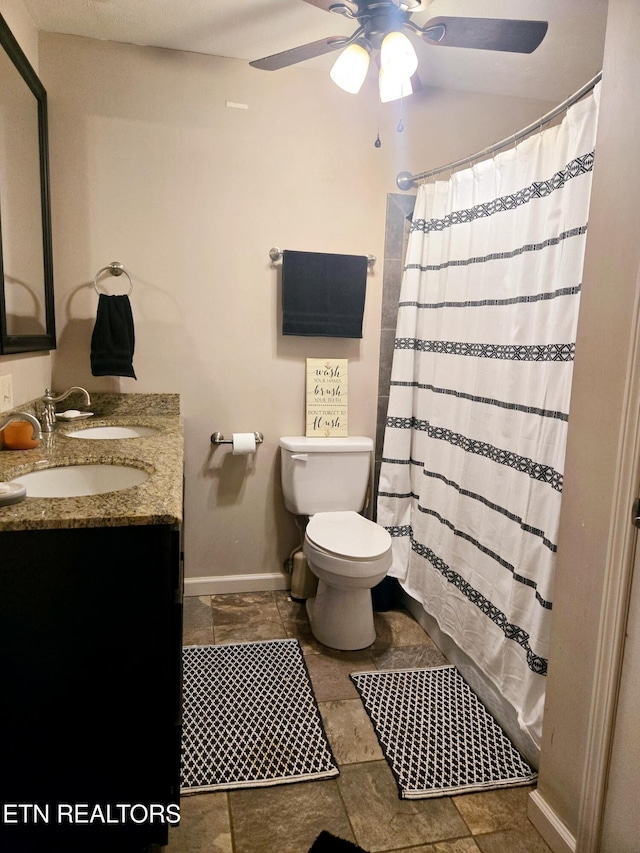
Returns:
(27, 318)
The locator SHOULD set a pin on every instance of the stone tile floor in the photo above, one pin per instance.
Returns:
(362, 803)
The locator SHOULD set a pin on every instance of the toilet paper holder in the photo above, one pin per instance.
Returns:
(218, 438)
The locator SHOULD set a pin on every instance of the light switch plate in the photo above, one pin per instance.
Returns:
(6, 393)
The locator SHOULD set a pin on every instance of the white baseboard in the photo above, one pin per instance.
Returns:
(219, 585)
(549, 825)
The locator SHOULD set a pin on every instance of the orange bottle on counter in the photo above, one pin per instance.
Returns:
(18, 436)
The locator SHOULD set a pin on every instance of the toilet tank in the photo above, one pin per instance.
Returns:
(325, 474)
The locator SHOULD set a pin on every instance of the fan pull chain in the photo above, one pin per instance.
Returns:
(377, 143)
(400, 127)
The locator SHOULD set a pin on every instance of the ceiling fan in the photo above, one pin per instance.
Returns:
(381, 24)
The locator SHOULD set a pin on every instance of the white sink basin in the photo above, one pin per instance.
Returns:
(112, 432)
(70, 481)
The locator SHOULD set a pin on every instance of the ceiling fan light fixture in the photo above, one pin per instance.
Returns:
(350, 68)
(393, 87)
(397, 55)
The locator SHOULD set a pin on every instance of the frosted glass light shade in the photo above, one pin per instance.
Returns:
(393, 87)
(397, 55)
(350, 68)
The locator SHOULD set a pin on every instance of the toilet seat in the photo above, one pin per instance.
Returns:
(348, 535)
(346, 545)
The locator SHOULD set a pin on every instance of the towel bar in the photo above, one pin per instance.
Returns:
(275, 254)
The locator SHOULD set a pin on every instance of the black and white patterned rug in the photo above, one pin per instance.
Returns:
(250, 718)
(436, 735)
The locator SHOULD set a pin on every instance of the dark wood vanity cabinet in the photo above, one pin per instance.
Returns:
(90, 650)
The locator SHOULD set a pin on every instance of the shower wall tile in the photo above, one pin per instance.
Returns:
(394, 234)
(383, 404)
(399, 209)
(406, 203)
(387, 343)
(392, 279)
(376, 481)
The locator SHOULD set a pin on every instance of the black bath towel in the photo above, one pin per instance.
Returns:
(323, 295)
(113, 338)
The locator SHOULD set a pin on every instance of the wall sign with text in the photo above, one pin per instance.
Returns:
(327, 396)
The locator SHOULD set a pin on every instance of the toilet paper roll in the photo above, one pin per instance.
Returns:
(243, 443)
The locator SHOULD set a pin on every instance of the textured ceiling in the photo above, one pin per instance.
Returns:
(569, 56)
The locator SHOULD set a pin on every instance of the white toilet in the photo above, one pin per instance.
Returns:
(327, 479)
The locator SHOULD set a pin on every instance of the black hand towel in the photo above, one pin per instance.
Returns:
(323, 295)
(113, 338)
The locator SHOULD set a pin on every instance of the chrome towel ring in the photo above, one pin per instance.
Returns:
(115, 268)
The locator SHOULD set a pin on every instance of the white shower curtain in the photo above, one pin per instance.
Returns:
(471, 478)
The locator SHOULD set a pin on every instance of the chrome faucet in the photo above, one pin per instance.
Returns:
(23, 416)
(49, 401)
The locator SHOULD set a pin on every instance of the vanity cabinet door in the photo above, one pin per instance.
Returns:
(90, 646)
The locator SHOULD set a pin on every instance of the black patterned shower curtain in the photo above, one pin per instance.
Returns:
(471, 478)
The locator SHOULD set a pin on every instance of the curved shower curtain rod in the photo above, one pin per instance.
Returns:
(407, 181)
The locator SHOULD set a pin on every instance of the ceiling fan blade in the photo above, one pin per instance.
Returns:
(485, 33)
(354, 6)
(327, 4)
(300, 54)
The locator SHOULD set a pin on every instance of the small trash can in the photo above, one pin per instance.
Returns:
(385, 595)
(303, 582)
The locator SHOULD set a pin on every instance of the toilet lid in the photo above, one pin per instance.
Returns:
(348, 534)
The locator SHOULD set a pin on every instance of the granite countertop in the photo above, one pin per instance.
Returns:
(156, 501)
